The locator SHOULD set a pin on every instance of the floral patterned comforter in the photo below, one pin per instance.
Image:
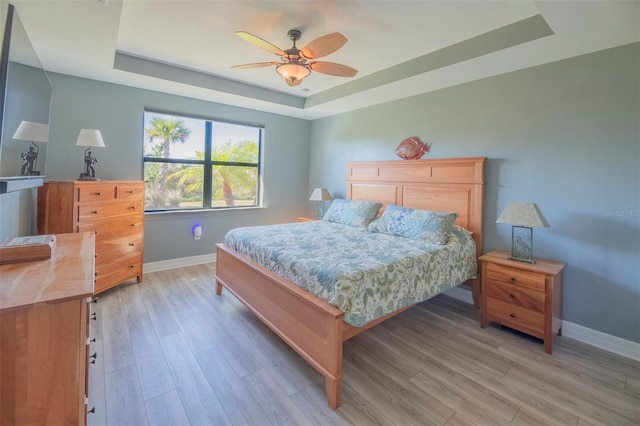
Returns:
(366, 275)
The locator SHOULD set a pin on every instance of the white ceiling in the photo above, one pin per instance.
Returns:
(400, 48)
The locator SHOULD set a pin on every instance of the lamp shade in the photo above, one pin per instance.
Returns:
(90, 137)
(293, 72)
(320, 194)
(523, 214)
(30, 131)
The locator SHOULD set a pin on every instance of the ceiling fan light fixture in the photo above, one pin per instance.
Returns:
(293, 72)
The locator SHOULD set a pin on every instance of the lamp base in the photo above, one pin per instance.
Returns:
(531, 261)
(84, 176)
(522, 244)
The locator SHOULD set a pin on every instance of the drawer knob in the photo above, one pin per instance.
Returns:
(96, 274)
(94, 300)
(92, 411)
(131, 244)
(130, 192)
(93, 340)
(94, 316)
(133, 224)
(98, 193)
(132, 207)
(95, 212)
(94, 356)
(513, 296)
(513, 279)
(512, 315)
(131, 266)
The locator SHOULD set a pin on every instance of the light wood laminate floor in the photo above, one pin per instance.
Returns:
(171, 352)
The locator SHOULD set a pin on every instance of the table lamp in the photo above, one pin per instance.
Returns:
(320, 195)
(89, 138)
(32, 132)
(523, 217)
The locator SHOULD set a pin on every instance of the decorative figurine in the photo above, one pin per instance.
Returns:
(30, 159)
(411, 148)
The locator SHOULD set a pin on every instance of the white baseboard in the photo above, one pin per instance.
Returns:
(181, 262)
(586, 335)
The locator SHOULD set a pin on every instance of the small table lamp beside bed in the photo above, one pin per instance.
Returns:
(317, 295)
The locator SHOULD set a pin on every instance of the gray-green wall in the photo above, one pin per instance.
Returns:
(563, 135)
(117, 111)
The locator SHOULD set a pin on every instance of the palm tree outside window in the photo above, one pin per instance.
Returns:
(197, 163)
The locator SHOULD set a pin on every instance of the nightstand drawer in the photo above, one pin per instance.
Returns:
(514, 316)
(516, 295)
(507, 275)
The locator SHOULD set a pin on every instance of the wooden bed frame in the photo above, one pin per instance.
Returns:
(314, 328)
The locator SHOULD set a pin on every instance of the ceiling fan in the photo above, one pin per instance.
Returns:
(297, 63)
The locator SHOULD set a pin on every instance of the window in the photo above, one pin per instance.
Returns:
(195, 163)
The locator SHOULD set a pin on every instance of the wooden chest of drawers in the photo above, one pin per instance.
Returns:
(523, 296)
(114, 210)
(44, 313)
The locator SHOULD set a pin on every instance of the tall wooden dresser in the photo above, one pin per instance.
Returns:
(114, 210)
(44, 335)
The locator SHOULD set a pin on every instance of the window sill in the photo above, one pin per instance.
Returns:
(167, 214)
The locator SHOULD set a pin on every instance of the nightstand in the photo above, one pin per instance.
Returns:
(308, 219)
(523, 296)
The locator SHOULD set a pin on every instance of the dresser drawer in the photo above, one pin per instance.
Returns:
(107, 228)
(108, 209)
(128, 191)
(507, 275)
(117, 271)
(114, 248)
(96, 192)
(514, 316)
(516, 295)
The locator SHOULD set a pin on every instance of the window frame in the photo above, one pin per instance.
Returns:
(207, 163)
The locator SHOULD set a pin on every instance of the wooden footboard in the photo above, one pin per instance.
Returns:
(311, 326)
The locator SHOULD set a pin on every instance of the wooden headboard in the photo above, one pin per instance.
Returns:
(445, 184)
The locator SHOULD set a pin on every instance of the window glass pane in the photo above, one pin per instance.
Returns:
(175, 165)
(182, 188)
(235, 143)
(169, 136)
(234, 186)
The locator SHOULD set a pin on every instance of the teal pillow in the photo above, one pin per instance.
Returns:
(424, 225)
(352, 212)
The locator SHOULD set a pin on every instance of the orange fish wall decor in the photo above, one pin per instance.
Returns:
(411, 148)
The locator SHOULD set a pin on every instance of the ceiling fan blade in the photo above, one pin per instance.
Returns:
(256, 65)
(332, 68)
(294, 82)
(322, 46)
(257, 41)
